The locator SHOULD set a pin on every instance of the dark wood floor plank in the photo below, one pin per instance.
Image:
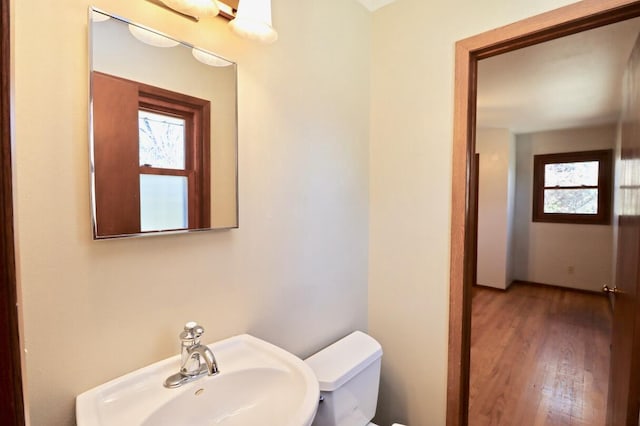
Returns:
(539, 356)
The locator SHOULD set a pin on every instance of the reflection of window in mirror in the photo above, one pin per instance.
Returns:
(151, 158)
(164, 181)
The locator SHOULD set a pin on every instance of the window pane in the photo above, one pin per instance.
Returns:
(163, 202)
(576, 201)
(571, 174)
(162, 140)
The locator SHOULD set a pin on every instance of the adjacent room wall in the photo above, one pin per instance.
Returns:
(410, 192)
(294, 273)
(495, 206)
(568, 255)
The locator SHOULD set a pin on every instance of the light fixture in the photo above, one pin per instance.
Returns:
(228, 8)
(209, 58)
(151, 38)
(196, 8)
(253, 21)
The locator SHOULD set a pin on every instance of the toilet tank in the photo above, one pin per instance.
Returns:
(348, 372)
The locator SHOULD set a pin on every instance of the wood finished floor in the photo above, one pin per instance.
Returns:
(539, 356)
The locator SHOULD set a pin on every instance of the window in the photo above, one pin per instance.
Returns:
(164, 177)
(572, 187)
(173, 155)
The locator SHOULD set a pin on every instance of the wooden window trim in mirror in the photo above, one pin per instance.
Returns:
(117, 170)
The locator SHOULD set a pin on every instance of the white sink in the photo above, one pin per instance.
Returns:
(258, 384)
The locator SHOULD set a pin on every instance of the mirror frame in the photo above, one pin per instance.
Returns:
(94, 224)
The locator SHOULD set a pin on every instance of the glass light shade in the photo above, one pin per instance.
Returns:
(151, 38)
(209, 59)
(195, 8)
(253, 21)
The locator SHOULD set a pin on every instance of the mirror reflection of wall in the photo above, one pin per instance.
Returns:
(164, 133)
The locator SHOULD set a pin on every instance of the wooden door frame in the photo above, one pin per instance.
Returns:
(11, 393)
(577, 17)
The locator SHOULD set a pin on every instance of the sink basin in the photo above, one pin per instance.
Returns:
(258, 384)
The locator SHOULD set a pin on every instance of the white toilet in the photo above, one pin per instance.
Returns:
(348, 372)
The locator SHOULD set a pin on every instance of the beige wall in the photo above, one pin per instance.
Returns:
(294, 273)
(569, 255)
(410, 180)
(495, 206)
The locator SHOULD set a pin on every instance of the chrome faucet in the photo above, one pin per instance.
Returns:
(196, 359)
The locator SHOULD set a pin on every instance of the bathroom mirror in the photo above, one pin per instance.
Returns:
(163, 133)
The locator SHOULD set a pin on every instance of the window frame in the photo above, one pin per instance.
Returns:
(196, 169)
(605, 172)
(196, 113)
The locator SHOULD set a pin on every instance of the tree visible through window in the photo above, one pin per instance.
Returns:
(162, 140)
(572, 187)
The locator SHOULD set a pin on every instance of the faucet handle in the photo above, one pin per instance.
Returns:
(192, 331)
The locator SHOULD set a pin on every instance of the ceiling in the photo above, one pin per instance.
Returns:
(573, 81)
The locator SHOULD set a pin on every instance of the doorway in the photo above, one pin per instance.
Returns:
(540, 322)
(555, 24)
